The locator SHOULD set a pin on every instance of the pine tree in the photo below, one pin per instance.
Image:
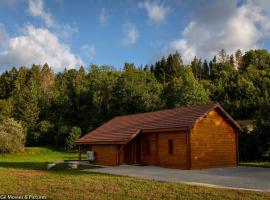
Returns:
(205, 70)
(238, 58)
(26, 110)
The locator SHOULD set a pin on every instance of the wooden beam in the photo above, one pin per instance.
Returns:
(103, 142)
(237, 149)
(80, 153)
(165, 130)
(157, 149)
(119, 153)
(188, 150)
(141, 138)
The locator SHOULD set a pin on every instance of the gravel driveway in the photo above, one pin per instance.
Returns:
(246, 178)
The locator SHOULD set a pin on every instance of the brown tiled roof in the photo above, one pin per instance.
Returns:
(123, 128)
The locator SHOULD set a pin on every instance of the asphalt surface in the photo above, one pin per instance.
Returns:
(244, 178)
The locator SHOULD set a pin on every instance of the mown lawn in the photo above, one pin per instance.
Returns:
(256, 164)
(26, 174)
(35, 158)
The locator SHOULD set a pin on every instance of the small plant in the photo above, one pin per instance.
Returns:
(74, 134)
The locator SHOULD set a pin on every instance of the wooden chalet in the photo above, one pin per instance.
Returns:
(200, 136)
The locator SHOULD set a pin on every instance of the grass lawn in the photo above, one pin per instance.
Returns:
(256, 164)
(26, 174)
(35, 158)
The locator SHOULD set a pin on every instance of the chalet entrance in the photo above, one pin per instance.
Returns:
(149, 149)
(132, 151)
(142, 150)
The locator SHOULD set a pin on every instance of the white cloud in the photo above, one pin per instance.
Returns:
(157, 12)
(131, 34)
(103, 17)
(65, 30)
(223, 25)
(36, 9)
(38, 46)
(90, 51)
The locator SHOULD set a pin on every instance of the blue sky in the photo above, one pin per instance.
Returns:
(69, 33)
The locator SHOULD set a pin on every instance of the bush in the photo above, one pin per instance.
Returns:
(74, 134)
(12, 136)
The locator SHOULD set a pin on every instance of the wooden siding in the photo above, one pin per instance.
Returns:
(132, 152)
(159, 154)
(213, 143)
(178, 158)
(105, 154)
(149, 158)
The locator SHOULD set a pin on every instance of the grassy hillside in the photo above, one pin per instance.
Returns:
(25, 174)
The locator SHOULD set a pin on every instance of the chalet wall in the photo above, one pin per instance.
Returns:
(178, 159)
(159, 154)
(213, 143)
(105, 154)
(150, 157)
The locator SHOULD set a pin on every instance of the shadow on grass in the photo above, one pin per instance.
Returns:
(25, 165)
(42, 166)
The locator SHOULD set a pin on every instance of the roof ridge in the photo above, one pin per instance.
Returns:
(167, 109)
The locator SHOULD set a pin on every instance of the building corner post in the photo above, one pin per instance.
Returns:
(80, 153)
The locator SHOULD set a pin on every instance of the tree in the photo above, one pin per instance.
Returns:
(238, 58)
(262, 130)
(185, 90)
(26, 110)
(166, 69)
(196, 66)
(205, 70)
(160, 70)
(74, 134)
(223, 57)
(5, 109)
(213, 68)
(232, 62)
(136, 90)
(46, 130)
(7, 83)
(12, 136)
(101, 84)
(259, 58)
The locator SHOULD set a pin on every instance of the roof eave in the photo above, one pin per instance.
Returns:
(98, 142)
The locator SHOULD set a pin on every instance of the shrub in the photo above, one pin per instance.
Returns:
(74, 134)
(12, 136)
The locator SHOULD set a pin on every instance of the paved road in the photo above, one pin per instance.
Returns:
(246, 178)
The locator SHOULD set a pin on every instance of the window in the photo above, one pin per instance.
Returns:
(170, 146)
(147, 147)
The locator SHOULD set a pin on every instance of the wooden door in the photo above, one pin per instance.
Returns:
(148, 149)
(128, 153)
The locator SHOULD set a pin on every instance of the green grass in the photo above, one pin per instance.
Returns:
(25, 173)
(256, 164)
(35, 158)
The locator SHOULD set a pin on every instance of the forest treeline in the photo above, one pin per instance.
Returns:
(56, 108)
